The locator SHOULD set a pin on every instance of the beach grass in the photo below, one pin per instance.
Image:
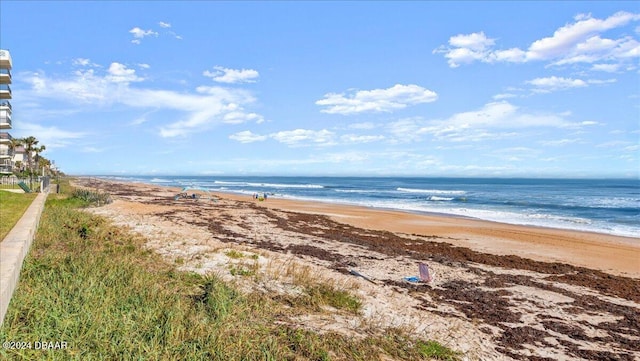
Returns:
(13, 207)
(94, 292)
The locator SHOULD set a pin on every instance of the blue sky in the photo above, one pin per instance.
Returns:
(508, 89)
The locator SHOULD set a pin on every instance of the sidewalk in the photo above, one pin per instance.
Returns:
(14, 248)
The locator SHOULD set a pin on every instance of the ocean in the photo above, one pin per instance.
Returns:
(610, 206)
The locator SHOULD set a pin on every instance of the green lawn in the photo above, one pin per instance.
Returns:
(12, 207)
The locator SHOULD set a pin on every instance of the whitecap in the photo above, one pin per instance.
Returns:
(431, 191)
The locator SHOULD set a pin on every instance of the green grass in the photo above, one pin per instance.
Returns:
(436, 351)
(12, 207)
(95, 286)
(234, 254)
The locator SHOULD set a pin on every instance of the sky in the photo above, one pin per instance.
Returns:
(433, 89)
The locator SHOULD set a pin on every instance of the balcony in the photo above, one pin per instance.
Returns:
(5, 76)
(5, 59)
(6, 166)
(6, 153)
(5, 120)
(5, 138)
(5, 91)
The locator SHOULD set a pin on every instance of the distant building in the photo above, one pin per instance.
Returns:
(6, 150)
(19, 158)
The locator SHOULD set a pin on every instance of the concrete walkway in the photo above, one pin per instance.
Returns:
(14, 248)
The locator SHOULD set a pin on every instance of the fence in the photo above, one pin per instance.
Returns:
(36, 184)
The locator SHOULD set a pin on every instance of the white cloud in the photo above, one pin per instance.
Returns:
(513, 55)
(139, 120)
(377, 100)
(232, 76)
(83, 86)
(119, 73)
(52, 137)
(589, 123)
(577, 42)
(406, 130)
(601, 81)
(475, 41)
(495, 120)
(215, 105)
(199, 111)
(247, 137)
(572, 39)
(165, 25)
(613, 144)
(302, 137)
(609, 68)
(559, 142)
(139, 34)
(503, 96)
(467, 48)
(83, 62)
(355, 138)
(144, 66)
(240, 116)
(545, 85)
(292, 138)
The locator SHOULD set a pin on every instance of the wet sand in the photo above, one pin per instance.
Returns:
(500, 292)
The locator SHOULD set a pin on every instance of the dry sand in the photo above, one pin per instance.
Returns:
(501, 292)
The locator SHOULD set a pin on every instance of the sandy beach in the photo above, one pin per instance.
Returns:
(500, 292)
(613, 254)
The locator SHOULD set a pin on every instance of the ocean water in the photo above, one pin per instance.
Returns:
(598, 205)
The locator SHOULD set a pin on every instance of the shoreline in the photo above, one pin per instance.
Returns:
(496, 218)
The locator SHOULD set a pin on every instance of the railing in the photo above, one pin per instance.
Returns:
(11, 182)
(5, 120)
(5, 135)
(4, 71)
(6, 153)
(6, 104)
(5, 87)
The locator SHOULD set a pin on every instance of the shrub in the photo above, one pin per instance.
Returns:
(91, 197)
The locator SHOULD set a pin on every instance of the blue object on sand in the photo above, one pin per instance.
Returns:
(413, 279)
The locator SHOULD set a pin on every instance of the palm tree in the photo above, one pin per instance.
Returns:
(18, 167)
(38, 159)
(15, 143)
(31, 146)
